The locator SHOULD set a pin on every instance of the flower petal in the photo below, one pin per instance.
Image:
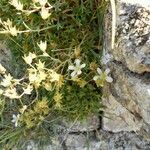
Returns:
(96, 78)
(82, 66)
(79, 72)
(73, 74)
(99, 70)
(77, 62)
(71, 68)
(109, 79)
(107, 71)
(16, 123)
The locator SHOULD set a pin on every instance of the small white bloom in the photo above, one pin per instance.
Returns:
(15, 119)
(7, 80)
(103, 75)
(42, 45)
(2, 69)
(28, 90)
(98, 76)
(76, 68)
(11, 93)
(9, 28)
(32, 75)
(13, 31)
(42, 2)
(23, 109)
(41, 75)
(17, 4)
(35, 1)
(28, 59)
(54, 76)
(45, 13)
(106, 58)
(1, 91)
(108, 78)
(40, 65)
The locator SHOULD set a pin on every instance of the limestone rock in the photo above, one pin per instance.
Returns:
(118, 118)
(123, 141)
(132, 46)
(5, 56)
(132, 88)
(90, 124)
(84, 142)
(130, 65)
(107, 141)
(129, 99)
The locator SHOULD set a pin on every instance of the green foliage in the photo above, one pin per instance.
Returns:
(52, 84)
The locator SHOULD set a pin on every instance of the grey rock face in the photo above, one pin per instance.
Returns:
(132, 46)
(5, 56)
(90, 124)
(128, 103)
(107, 141)
(126, 141)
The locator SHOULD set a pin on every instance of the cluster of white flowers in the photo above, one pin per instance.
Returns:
(8, 27)
(44, 7)
(38, 75)
(77, 70)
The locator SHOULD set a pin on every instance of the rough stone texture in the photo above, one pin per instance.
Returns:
(132, 46)
(90, 124)
(124, 141)
(5, 56)
(83, 142)
(119, 118)
(130, 64)
(107, 141)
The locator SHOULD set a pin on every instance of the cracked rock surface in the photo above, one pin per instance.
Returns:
(132, 46)
(128, 100)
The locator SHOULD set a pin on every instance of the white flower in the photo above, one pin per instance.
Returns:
(15, 119)
(23, 109)
(32, 75)
(2, 69)
(9, 28)
(17, 4)
(106, 58)
(40, 65)
(13, 31)
(28, 59)
(42, 45)
(54, 76)
(41, 76)
(28, 90)
(77, 68)
(7, 80)
(103, 75)
(35, 1)
(45, 13)
(1, 91)
(11, 93)
(42, 2)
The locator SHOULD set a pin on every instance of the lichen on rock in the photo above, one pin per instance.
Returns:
(128, 94)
